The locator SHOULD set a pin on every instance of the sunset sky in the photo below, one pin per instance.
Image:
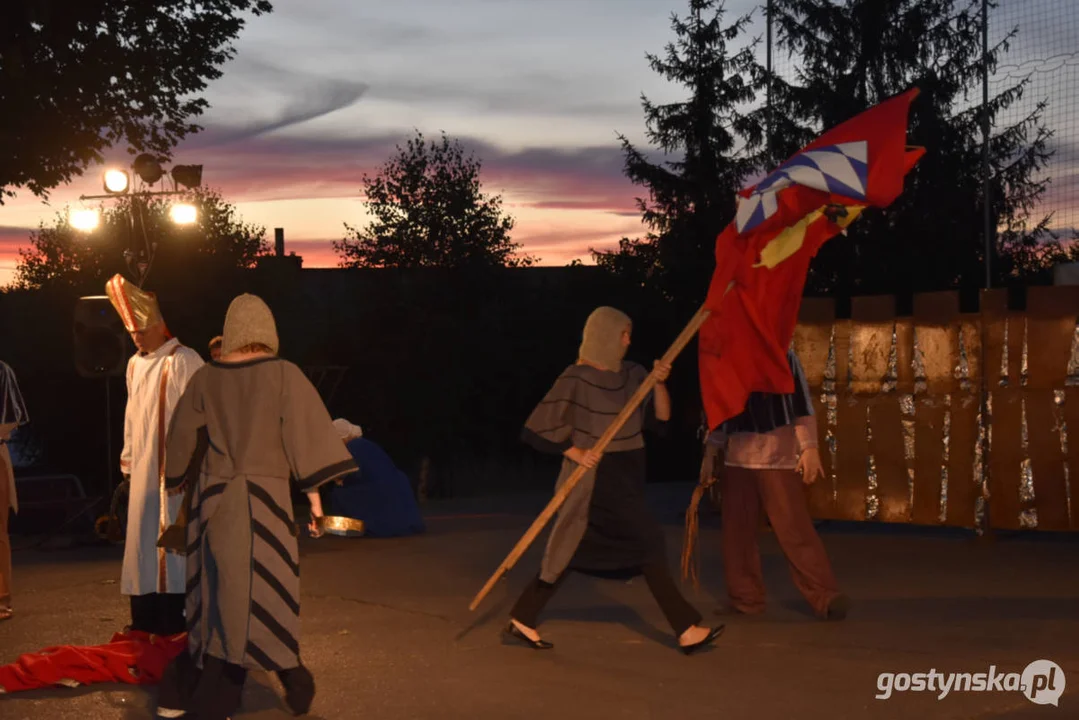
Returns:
(320, 92)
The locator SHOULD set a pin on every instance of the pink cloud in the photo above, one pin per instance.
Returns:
(270, 168)
(537, 184)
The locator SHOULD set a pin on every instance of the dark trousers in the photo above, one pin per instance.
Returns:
(158, 613)
(214, 693)
(782, 495)
(679, 613)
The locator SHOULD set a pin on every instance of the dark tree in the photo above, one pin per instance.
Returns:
(62, 256)
(80, 76)
(852, 54)
(429, 211)
(709, 141)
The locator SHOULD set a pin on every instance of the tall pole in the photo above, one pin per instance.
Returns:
(768, 73)
(986, 199)
(987, 231)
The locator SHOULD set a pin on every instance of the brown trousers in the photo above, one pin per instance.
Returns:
(5, 540)
(782, 494)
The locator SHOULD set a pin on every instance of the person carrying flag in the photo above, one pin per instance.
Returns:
(753, 389)
(768, 455)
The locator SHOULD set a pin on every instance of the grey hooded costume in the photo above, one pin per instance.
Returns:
(605, 526)
(239, 433)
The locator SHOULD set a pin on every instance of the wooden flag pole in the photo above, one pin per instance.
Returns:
(560, 497)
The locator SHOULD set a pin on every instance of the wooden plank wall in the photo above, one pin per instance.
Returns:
(884, 366)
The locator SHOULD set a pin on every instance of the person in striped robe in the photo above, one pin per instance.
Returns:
(247, 423)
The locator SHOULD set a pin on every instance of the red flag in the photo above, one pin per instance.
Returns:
(135, 657)
(763, 256)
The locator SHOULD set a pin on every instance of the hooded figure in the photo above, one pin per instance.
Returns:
(246, 424)
(605, 526)
(379, 496)
(157, 376)
(12, 415)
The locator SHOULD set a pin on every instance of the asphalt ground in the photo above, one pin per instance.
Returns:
(388, 634)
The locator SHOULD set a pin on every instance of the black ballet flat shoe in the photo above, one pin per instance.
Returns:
(712, 635)
(299, 686)
(514, 632)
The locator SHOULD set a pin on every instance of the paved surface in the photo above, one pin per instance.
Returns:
(387, 632)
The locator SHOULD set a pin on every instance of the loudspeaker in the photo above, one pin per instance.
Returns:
(100, 338)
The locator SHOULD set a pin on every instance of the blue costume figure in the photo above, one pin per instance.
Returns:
(380, 495)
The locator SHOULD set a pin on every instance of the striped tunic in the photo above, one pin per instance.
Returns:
(583, 402)
(239, 432)
(772, 431)
(605, 523)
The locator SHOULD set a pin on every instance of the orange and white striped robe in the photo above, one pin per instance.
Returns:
(155, 383)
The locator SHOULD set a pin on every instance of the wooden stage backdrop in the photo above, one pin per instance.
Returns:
(900, 400)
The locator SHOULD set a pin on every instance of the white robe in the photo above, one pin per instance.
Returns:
(148, 568)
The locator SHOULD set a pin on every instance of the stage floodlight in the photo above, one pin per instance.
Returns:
(183, 214)
(116, 181)
(190, 176)
(148, 168)
(85, 220)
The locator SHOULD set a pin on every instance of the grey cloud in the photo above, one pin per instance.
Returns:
(13, 231)
(311, 97)
(529, 93)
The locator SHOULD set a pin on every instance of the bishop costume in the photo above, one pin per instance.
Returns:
(153, 577)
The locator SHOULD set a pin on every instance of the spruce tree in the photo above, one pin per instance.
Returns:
(852, 54)
(709, 141)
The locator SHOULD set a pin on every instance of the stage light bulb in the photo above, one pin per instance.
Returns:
(183, 214)
(85, 220)
(116, 181)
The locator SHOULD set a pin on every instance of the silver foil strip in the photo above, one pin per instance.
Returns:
(906, 409)
(1023, 374)
(918, 366)
(1073, 361)
(962, 366)
(1028, 518)
(891, 377)
(1062, 425)
(850, 362)
(947, 434)
(872, 501)
(830, 401)
(1004, 356)
(984, 422)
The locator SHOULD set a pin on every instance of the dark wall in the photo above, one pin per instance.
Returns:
(444, 366)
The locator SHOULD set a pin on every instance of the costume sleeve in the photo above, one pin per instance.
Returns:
(187, 439)
(185, 364)
(550, 426)
(315, 452)
(637, 375)
(125, 453)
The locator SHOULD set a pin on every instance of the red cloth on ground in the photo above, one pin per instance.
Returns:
(134, 657)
